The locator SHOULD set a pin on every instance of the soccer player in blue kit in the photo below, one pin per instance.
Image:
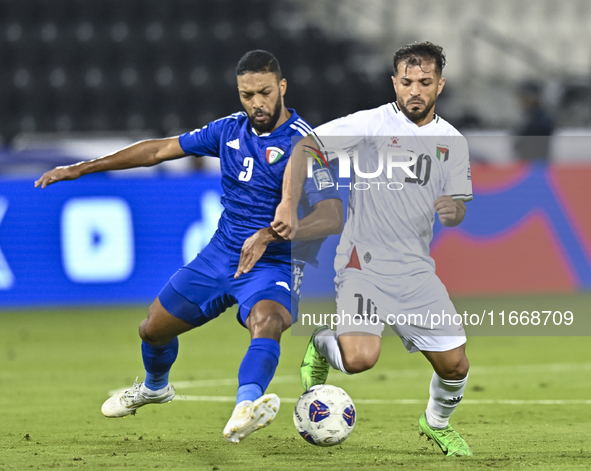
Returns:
(246, 262)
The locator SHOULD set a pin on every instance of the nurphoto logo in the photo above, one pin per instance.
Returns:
(389, 159)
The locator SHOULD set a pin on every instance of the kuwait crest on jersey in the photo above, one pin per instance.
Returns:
(442, 153)
(274, 154)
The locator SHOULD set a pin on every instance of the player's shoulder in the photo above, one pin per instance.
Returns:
(358, 123)
(238, 116)
(371, 114)
(234, 119)
(220, 123)
(298, 125)
(444, 128)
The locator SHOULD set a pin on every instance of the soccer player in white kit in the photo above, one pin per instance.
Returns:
(384, 273)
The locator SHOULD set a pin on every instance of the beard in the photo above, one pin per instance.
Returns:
(416, 115)
(265, 127)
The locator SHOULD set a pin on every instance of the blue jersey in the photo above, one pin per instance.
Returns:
(252, 173)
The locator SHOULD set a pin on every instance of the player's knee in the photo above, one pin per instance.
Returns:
(462, 368)
(149, 335)
(456, 369)
(359, 362)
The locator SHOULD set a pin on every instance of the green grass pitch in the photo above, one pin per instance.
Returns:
(58, 366)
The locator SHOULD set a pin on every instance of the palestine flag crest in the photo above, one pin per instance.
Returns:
(274, 154)
(442, 153)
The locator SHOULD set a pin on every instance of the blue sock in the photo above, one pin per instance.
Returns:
(257, 369)
(157, 362)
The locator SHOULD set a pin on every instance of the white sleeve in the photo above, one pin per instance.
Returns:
(458, 183)
(344, 133)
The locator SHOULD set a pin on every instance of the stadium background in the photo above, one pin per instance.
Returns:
(80, 261)
(80, 79)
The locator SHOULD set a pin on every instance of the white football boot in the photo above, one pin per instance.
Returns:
(251, 416)
(127, 402)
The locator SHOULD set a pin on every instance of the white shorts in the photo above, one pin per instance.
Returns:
(416, 307)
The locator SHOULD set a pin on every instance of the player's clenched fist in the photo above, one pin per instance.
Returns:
(451, 212)
(58, 174)
(283, 224)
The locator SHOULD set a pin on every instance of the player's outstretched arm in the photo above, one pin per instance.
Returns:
(326, 219)
(141, 154)
(451, 212)
(293, 181)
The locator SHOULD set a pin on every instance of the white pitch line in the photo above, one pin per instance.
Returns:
(212, 383)
(509, 402)
(476, 371)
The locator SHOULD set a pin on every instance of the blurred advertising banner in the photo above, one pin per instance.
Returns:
(104, 240)
(528, 230)
(101, 240)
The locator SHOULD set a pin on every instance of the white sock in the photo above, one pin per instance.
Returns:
(327, 344)
(149, 393)
(446, 394)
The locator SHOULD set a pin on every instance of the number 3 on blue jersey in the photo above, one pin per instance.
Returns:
(246, 174)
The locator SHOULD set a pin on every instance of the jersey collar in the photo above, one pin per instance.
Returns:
(398, 112)
(294, 116)
(265, 134)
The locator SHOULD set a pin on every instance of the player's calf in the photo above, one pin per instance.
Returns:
(265, 323)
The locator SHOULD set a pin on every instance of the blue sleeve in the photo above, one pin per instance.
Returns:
(322, 186)
(204, 141)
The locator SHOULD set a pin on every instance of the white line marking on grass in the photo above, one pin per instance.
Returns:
(212, 383)
(554, 368)
(509, 402)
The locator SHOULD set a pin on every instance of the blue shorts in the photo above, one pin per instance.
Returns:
(204, 288)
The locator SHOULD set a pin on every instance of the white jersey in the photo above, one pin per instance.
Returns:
(390, 218)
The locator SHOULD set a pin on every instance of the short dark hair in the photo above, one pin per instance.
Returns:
(258, 61)
(414, 54)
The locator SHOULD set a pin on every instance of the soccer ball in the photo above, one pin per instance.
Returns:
(324, 415)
